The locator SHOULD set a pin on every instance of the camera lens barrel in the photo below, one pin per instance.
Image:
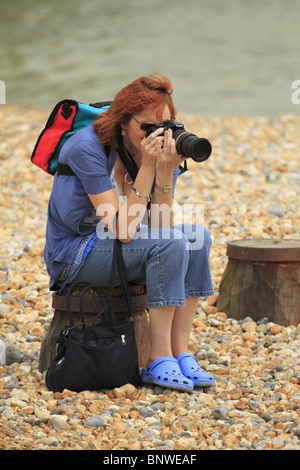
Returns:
(189, 145)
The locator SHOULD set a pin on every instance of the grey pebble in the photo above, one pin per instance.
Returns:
(95, 422)
(220, 412)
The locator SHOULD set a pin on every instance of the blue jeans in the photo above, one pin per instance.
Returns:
(172, 263)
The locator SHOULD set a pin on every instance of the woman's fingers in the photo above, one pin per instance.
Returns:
(155, 137)
(169, 146)
(154, 142)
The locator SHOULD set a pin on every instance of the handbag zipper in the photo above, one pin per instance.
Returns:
(123, 339)
(60, 361)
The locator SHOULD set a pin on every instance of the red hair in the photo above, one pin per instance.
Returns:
(145, 93)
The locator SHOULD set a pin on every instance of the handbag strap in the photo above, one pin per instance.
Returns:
(101, 295)
(107, 307)
(113, 274)
(123, 277)
(108, 304)
(117, 262)
(68, 300)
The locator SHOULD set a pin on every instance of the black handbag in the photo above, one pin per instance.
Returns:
(102, 355)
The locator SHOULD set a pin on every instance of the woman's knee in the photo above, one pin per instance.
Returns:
(175, 238)
(197, 235)
(172, 248)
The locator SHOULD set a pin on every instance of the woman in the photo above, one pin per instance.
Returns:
(119, 170)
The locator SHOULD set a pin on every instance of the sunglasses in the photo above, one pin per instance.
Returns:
(144, 126)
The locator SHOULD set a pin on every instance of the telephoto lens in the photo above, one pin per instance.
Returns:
(189, 145)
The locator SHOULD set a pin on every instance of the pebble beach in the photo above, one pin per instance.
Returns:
(249, 188)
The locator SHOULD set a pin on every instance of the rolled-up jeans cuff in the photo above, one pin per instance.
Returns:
(202, 294)
(166, 303)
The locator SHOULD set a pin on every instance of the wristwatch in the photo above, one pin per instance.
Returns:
(164, 189)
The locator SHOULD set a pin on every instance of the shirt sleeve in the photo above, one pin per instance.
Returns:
(89, 162)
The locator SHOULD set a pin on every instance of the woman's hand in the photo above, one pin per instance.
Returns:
(168, 159)
(151, 147)
(159, 151)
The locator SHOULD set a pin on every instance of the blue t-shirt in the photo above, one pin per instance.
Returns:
(69, 206)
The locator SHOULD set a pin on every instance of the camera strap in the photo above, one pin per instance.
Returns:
(183, 168)
(126, 158)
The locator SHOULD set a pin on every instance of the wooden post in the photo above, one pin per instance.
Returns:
(262, 279)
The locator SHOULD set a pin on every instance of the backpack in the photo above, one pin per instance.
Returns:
(66, 118)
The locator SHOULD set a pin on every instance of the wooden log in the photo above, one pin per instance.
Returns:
(262, 279)
(92, 305)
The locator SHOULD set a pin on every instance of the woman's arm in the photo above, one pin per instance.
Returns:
(160, 160)
(131, 213)
(162, 214)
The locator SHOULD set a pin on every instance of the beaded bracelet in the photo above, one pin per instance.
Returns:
(139, 194)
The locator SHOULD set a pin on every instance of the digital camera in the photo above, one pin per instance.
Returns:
(187, 144)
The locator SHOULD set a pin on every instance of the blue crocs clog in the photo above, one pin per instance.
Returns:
(191, 369)
(166, 372)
